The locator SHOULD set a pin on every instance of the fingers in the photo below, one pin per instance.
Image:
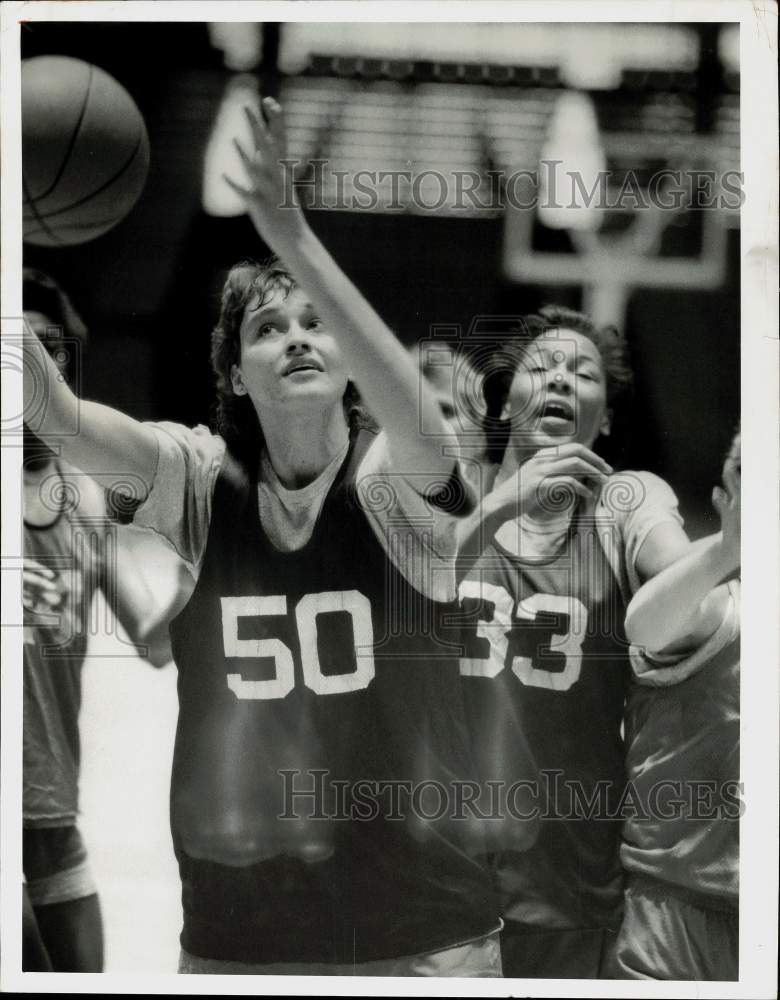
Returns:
(560, 485)
(245, 158)
(272, 111)
(268, 130)
(241, 191)
(40, 585)
(33, 597)
(254, 167)
(257, 128)
(573, 449)
(268, 143)
(34, 579)
(40, 580)
(576, 466)
(32, 564)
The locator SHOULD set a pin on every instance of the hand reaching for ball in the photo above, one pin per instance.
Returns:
(268, 193)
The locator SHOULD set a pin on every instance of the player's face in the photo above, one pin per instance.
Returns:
(288, 359)
(559, 392)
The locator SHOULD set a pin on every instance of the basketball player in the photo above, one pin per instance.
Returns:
(312, 676)
(682, 851)
(562, 542)
(68, 546)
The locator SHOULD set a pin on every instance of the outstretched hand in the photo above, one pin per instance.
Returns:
(268, 191)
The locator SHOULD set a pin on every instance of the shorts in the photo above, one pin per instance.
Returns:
(55, 865)
(475, 958)
(668, 933)
(529, 952)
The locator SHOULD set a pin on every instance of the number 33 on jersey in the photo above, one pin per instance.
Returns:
(510, 634)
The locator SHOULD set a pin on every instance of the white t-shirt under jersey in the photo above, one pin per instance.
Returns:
(418, 536)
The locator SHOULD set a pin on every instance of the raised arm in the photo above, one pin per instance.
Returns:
(683, 605)
(382, 368)
(94, 438)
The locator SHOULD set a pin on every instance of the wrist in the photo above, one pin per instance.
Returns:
(290, 232)
(501, 506)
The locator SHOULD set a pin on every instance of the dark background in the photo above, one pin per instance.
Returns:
(149, 289)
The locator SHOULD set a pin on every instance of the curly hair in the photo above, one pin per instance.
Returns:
(611, 346)
(234, 417)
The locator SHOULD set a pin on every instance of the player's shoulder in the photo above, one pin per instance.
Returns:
(199, 440)
(626, 491)
(196, 452)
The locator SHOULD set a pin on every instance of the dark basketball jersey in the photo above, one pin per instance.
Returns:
(544, 676)
(320, 718)
(683, 761)
(55, 643)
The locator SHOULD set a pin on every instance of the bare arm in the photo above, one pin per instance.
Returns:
(683, 604)
(386, 375)
(150, 587)
(571, 468)
(476, 530)
(106, 443)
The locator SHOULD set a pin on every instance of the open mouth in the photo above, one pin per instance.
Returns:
(302, 366)
(558, 410)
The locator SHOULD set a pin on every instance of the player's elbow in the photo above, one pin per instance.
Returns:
(652, 629)
(151, 639)
(158, 657)
(671, 634)
(638, 631)
(157, 646)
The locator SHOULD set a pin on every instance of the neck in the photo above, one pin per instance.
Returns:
(301, 446)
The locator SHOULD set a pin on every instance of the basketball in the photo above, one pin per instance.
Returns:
(85, 151)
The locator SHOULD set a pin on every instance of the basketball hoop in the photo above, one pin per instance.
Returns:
(610, 263)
